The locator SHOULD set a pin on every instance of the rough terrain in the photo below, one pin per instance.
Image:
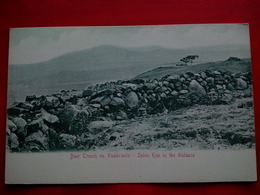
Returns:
(209, 109)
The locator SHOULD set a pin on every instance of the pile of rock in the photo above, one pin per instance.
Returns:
(61, 121)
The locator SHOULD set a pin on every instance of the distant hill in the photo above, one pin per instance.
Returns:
(244, 65)
(79, 69)
(108, 57)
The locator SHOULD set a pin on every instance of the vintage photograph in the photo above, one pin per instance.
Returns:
(124, 88)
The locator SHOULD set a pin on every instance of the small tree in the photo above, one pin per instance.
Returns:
(189, 59)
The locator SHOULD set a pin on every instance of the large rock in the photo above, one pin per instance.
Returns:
(196, 88)
(52, 102)
(30, 98)
(21, 125)
(87, 92)
(173, 78)
(131, 86)
(102, 100)
(149, 86)
(240, 84)
(37, 141)
(210, 80)
(132, 100)
(106, 92)
(13, 141)
(34, 126)
(19, 108)
(230, 87)
(49, 118)
(39, 102)
(73, 120)
(118, 102)
(67, 141)
(25, 105)
(11, 126)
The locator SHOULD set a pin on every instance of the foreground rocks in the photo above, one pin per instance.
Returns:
(67, 120)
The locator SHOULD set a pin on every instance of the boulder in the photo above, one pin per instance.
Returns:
(67, 141)
(166, 83)
(106, 92)
(189, 75)
(131, 86)
(242, 138)
(174, 93)
(240, 84)
(183, 92)
(216, 73)
(87, 92)
(210, 80)
(37, 141)
(34, 126)
(203, 75)
(11, 126)
(196, 88)
(45, 129)
(30, 98)
(178, 84)
(39, 102)
(132, 100)
(81, 102)
(25, 105)
(149, 86)
(219, 80)
(73, 120)
(14, 111)
(117, 102)
(74, 100)
(209, 73)
(21, 125)
(173, 78)
(13, 141)
(49, 118)
(52, 102)
(95, 105)
(102, 100)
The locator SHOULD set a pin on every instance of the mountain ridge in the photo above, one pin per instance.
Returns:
(107, 56)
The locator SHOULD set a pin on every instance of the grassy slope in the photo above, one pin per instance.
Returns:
(244, 66)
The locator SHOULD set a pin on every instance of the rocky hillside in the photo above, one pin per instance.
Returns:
(132, 114)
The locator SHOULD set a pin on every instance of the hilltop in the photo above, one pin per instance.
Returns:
(243, 65)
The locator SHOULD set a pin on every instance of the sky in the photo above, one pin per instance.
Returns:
(32, 45)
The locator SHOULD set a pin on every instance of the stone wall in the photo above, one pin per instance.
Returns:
(60, 121)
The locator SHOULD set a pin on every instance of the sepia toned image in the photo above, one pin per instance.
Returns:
(130, 88)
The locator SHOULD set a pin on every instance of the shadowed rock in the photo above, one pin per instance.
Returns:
(67, 141)
(37, 141)
(73, 120)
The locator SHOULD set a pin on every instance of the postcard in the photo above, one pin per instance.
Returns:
(130, 104)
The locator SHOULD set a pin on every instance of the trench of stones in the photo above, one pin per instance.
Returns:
(83, 120)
